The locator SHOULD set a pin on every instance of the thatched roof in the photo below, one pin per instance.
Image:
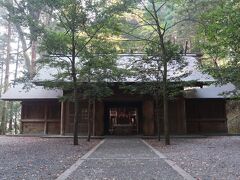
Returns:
(47, 74)
(18, 92)
(212, 91)
(125, 60)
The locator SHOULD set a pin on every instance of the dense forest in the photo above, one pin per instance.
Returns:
(97, 31)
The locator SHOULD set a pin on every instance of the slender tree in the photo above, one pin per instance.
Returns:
(6, 77)
(154, 28)
(26, 16)
(79, 25)
(98, 70)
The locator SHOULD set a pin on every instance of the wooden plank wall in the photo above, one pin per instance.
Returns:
(206, 116)
(202, 116)
(41, 117)
(83, 119)
(176, 114)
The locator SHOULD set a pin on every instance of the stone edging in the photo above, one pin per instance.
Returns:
(171, 163)
(70, 170)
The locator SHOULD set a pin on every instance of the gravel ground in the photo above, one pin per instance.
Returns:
(125, 169)
(38, 158)
(207, 158)
(124, 159)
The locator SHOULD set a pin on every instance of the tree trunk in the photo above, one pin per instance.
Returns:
(165, 98)
(186, 48)
(33, 60)
(8, 58)
(89, 120)
(16, 66)
(10, 128)
(75, 89)
(93, 117)
(165, 112)
(24, 48)
(1, 102)
(1, 80)
(75, 136)
(6, 78)
(11, 103)
(165, 69)
(15, 123)
(158, 116)
(3, 118)
(217, 67)
(165, 95)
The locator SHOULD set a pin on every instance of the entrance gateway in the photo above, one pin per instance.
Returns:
(122, 118)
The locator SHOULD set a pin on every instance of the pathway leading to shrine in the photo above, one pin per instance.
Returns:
(124, 159)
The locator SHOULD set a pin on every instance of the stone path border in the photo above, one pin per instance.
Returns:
(69, 171)
(183, 173)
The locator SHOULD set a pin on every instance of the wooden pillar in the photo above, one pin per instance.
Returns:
(148, 116)
(68, 129)
(45, 119)
(62, 128)
(99, 118)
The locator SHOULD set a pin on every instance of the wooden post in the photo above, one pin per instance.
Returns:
(45, 120)
(184, 115)
(62, 119)
(94, 117)
(148, 115)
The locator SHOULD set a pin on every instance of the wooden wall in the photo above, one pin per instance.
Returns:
(176, 114)
(83, 118)
(98, 123)
(206, 116)
(44, 117)
(202, 116)
(40, 117)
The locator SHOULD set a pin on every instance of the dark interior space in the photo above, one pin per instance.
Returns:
(122, 118)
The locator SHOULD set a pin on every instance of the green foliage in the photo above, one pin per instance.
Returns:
(149, 70)
(189, 13)
(26, 13)
(153, 25)
(86, 28)
(83, 56)
(13, 112)
(56, 43)
(221, 35)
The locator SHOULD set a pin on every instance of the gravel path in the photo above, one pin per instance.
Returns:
(38, 158)
(124, 159)
(207, 158)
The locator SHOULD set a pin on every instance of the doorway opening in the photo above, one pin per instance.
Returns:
(122, 118)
